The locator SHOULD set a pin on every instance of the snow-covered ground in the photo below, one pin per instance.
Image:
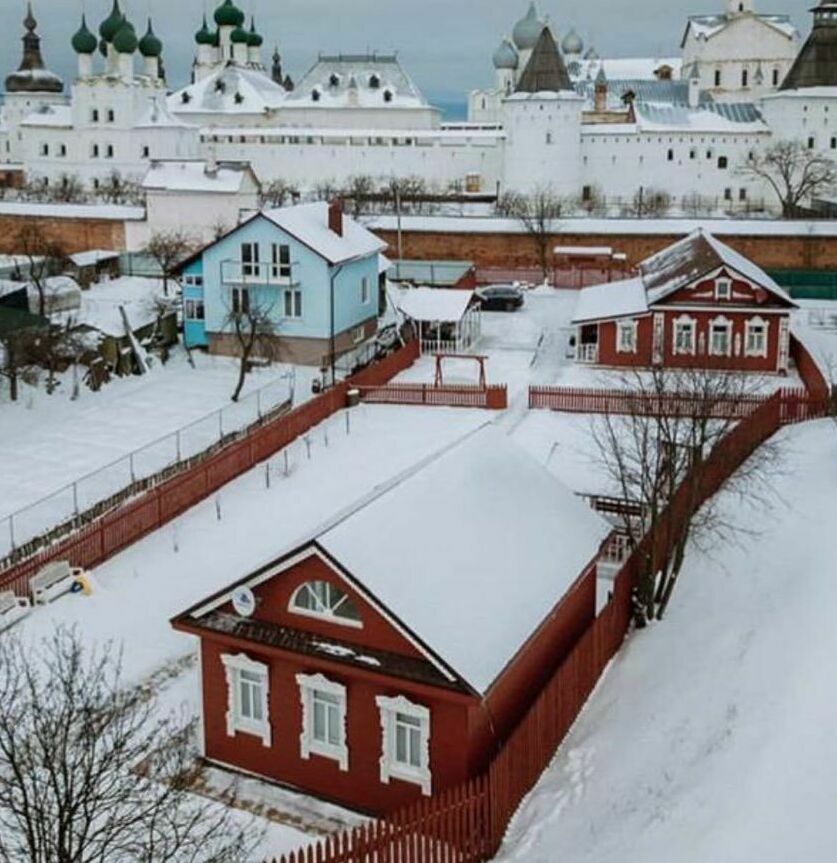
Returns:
(51, 441)
(711, 737)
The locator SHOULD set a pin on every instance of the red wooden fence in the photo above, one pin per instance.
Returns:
(466, 824)
(461, 396)
(109, 533)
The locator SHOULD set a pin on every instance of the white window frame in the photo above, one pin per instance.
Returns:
(280, 269)
(751, 325)
(292, 303)
(310, 685)
(390, 768)
(689, 323)
(194, 309)
(723, 288)
(327, 613)
(359, 335)
(719, 322)
(234, 665)
(250, 269)
(626, 332)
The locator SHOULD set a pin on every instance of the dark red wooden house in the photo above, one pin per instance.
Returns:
(696, 304)
(388, 655)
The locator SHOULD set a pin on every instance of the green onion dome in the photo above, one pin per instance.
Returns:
(84, 42)
(112, 24)
(229, 15)
(255, 40)
(125, 41)
(150, 45)
(240, 36)
(203, 36)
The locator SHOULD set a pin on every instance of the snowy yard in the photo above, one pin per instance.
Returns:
(711, 737)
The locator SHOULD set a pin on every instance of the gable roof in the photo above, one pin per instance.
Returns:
(694, 256)
(545, 71)
(196, 175)
(470, 549)
(708, 26)
(666, 272)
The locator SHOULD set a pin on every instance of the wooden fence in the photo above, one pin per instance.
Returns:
(108, 533)
(467, 823)
(460, 396)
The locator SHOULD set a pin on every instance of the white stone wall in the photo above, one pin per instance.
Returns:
(809, 116)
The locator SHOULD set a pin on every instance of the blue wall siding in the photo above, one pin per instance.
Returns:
(194, 331)
(309, 272)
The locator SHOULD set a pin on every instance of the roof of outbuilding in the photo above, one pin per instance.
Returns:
(546, 70)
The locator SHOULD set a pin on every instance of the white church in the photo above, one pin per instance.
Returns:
(557, 114)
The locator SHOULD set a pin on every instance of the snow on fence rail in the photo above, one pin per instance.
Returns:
(494, 397)
(467, 823)
(91, 539)
(125, 476)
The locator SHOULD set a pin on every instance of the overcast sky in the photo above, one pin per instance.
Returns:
(446, 45)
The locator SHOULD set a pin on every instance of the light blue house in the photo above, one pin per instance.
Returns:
(312, 270)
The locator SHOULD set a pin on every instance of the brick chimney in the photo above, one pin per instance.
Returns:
(335, 217)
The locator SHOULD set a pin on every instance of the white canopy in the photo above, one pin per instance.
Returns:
(434, 304)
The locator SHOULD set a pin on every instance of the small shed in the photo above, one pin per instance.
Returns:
(435, 274)
(446, 320)
(94, 266)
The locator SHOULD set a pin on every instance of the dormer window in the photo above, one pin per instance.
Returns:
(374, 82)
(387, 95)
(325, 600)
(315, 95)
(723, 289)
(238, 98)
(334, 80)
(185, 98)
(220, 87)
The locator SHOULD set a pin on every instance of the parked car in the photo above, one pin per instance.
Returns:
(500, 298)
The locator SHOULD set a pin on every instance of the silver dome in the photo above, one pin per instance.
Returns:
(527, 30)
(572, 43)
(506, 56)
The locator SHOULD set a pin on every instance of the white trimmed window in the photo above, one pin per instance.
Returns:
(720, 337)
(247, 696)
(293, 303)
(755, 338)
(323, 718)
(626, 337)
(723, 289)
(281, 264)
(325, 600)
(684, 335)
(405, 741)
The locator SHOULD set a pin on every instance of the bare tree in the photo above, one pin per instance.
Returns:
(650, 203)
(44, 257)
(694, 204)
(794, 172)
(538, 212)
(325, 189)
(89, 771)
(657, 454)
(68, 190)
(168, 249)
(117, 189)
(358, 191)
(251, 322)
(277, 193)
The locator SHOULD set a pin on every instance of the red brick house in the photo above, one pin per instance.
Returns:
(697, 303)
(387, 655)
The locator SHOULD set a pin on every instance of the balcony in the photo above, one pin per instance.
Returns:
(237, 273)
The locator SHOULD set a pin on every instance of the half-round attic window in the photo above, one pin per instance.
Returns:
(334, 80)
(387, 95)
(374, 82)
(315, 95)
(325, 600)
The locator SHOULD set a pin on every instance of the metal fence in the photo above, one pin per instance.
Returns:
(105, 483)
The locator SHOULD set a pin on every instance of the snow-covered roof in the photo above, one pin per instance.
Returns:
(433, 304)
(708, 26)
(357, 80)
(693, 256)
(308, 223)
(159, 116)
(52, 116)
(196, 175)
(732, 117)
(101, 303)
(93, 257)
(232, 89)
(486, 541)
(108, 212)
(620, 299)
(635, 68)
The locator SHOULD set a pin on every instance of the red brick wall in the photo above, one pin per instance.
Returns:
(73, 235)
(520, 251)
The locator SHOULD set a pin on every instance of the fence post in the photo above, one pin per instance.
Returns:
(221, 424)
(12, 531)
(259, 404)
(131, 467)
(75, 498)
(177, 445)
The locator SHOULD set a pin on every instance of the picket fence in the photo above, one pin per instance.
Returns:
(467, 823)
(99, 538)
(494, 397)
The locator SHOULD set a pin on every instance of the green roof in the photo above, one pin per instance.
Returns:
(229, 15)
(150, 45)
(125, 41)
(203, 36)
(111, 24)
(84, 42)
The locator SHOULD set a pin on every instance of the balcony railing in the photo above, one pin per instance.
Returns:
(243, 273)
